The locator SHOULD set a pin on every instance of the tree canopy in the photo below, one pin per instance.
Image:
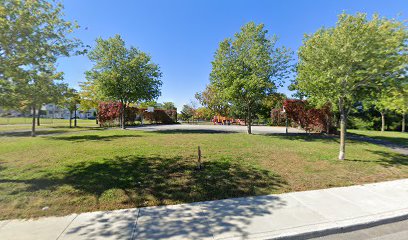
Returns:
(214, 100)
(123, 74)
(71, 101)
(187, 112)
(169, 106)
(247, 68)
(33, 35)
(346, 63)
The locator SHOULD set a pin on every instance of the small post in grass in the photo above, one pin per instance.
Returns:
(199, 166)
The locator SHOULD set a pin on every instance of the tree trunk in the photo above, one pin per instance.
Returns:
(327, 124)
(75, 118)
(96, 118)
(38, 117)
(70, 119)
(382, 121)
(249, 130)
(33, 123)
(120, 118)
(403, 122)
(343, 130)
(249, 121)
(123, 116)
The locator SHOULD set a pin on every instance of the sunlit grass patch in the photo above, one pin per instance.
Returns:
(112, 169)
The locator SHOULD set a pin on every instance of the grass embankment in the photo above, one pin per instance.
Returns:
(113, 169)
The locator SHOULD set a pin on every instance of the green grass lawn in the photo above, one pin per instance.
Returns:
(112, 169)
(47, 125)
(389, 136)
(27, 120)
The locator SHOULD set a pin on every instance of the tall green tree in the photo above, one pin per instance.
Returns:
(187, 112)
(169, 106)
(71, 101)
(247, 68)
(346, 63)
(203, 113)
(49, 90)
(382, 102)
(274, 101)
(400, 101)
(214, 100)
(40, 89)
(123, 74)
(387, 97)
(90, 96)
(33, 35)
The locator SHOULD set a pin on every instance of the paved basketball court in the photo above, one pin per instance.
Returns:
(216, 128)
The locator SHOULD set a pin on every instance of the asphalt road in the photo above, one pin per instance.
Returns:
(390, 231)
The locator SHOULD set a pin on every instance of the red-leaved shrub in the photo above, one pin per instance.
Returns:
(307, 117)
(109, 114)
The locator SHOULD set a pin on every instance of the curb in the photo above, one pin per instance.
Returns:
(344, 228)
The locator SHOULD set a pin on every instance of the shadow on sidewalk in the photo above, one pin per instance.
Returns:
(204, 220)
(187, 221)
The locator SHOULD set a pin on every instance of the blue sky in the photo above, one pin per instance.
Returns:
(182, 36)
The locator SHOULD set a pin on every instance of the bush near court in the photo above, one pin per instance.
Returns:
(109, 114)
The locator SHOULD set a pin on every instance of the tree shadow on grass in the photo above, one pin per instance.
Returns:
(386, 159)
(44, 132)
(318, 137)
(142, 181)
(77, 127)
(160, 181)
(27, 133)
(195, 131)
(92, 137)
(1, 166)
(307, 137)
(383, 140)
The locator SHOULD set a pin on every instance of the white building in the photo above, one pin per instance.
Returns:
(53, 111)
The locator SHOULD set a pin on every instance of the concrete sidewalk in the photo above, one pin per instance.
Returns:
(262, 217)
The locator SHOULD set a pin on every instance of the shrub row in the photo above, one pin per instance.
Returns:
(109, 114)
(301, 113)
